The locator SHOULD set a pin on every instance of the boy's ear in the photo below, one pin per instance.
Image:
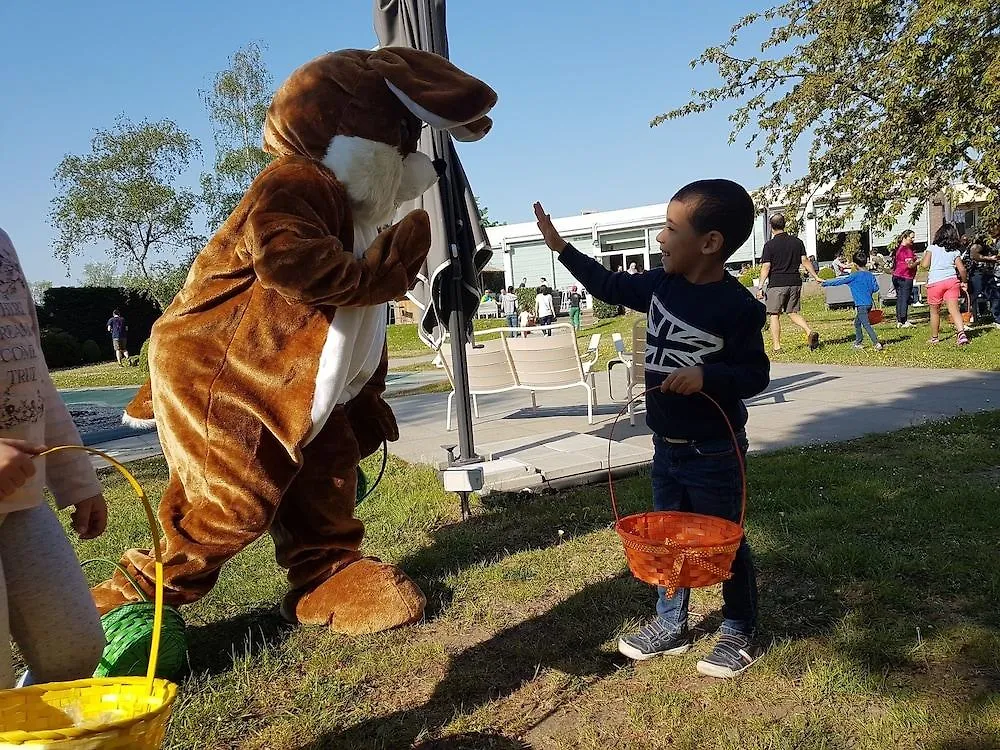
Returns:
(713, 243)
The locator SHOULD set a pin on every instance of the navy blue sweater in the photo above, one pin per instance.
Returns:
(717, 326)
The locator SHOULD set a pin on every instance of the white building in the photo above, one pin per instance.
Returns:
(619, 238)
(615, 238)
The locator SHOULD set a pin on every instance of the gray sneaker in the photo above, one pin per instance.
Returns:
(653, 639)
(732, 656)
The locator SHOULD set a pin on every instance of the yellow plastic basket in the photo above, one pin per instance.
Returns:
(95, 714)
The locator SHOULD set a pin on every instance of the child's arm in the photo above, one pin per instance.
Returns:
(746, 370)
(631, 290)
(963, 274)
(840, 280)
(69, 474)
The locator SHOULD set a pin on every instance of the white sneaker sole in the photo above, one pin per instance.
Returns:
(723, 673)
(636, 655)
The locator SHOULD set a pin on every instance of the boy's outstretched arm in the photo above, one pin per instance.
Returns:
(631, 290)
(747, 370)
(840, 280)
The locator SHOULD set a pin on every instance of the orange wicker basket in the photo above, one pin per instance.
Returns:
(675, 549)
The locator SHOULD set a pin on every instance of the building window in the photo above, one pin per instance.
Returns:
(622, 240)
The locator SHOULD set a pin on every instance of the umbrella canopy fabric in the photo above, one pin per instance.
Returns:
(421, 24)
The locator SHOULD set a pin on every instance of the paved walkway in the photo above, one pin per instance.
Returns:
(554, 445)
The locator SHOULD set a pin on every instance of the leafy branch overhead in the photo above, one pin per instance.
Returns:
(896, 99)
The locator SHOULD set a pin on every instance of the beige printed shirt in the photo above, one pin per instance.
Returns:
(30, 406)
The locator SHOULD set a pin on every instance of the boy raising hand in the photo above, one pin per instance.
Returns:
(703, 334)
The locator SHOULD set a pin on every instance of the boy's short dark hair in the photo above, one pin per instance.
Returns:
(777, 222)
(116, 311)
(860, 258)
(721, 206)
(510, 290)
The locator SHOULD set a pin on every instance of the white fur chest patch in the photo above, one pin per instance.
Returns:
(352, 351)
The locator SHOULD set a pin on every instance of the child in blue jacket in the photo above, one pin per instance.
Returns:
(863, 286)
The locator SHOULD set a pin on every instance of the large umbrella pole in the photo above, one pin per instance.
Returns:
(457, 325)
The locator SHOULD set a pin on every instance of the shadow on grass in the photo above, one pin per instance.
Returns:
(885, 566)
(215, 647)
(473, 741)
(508, 524)
(568, 638)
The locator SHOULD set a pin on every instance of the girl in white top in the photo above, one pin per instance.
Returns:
(946, 280)
(45, 603)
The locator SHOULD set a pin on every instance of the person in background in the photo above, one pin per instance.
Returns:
(863, 286)
(904, 272)
(780, 283)
(526, 320)
(545, 313)
(488, 297)
(877, 262)
(983, 285)
(524, 283)
(633, 269)
(942, 260)
(840, 265)
(118, 330)
(574, 307)
(508, 307)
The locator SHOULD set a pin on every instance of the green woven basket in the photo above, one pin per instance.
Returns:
(129, 634)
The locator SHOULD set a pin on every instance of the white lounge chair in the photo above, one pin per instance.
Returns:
(499, 363)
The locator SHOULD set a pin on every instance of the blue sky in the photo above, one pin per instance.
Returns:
(578, 84)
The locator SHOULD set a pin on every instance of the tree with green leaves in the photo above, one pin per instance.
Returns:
(896, 99)
(165, 278)
(484, 215)
(237, 105)
(124, 197)
(38, 290)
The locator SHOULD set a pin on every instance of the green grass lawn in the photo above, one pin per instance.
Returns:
(98, 376)
(879, 578)
(904, 347)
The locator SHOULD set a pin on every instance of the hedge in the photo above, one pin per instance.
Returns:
(143, 363)
(60, 349)
(91, 352)
(83, 312)
(826, 273)
(747, 277)
(603, 311)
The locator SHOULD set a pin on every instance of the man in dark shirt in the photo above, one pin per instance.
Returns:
(782, 261)
(118, 329)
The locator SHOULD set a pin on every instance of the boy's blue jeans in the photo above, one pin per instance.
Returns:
(704, 477)
(861, 321)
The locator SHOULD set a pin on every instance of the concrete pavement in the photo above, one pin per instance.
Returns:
(554, 446)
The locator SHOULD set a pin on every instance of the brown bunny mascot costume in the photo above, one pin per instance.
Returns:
(267, 370)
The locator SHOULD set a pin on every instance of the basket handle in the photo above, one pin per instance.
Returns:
(121, 569)
(154, 649)
(732, 435)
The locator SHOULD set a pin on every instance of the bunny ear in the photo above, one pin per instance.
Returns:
(436, 91)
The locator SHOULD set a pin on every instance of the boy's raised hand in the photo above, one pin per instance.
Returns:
(552, 238)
